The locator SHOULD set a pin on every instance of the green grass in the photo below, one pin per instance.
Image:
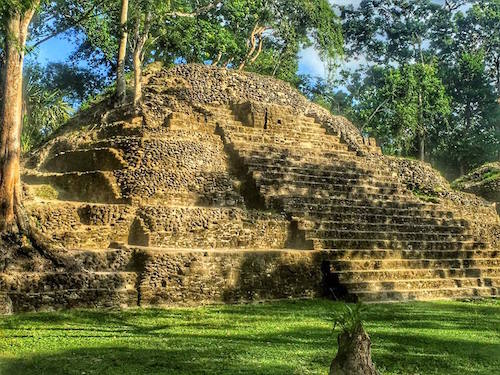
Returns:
(274, 338)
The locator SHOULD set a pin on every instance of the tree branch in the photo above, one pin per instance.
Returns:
(196, 13)
(84, 17)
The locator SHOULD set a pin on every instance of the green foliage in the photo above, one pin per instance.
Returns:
(324, 93)
(193, 31)
(349, 319)
(463, 48)
(410, 105)
(75, 83)
(426, 197)
(388, 32)
(472, 139)
(45, 110)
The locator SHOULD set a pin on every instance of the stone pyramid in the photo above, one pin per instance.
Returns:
(228, 186)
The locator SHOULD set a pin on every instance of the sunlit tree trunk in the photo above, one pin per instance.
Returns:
(422, 147)
(121, 87)
(11, 118)
(137, 78)
(421, 126)
(138, 45)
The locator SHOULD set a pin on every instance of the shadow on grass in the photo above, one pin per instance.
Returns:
(276, 338)
(122, 360)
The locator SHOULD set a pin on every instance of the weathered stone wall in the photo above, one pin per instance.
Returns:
(74, 225)
(194, 277)
(48, 291)
(174, 227)
(185, 87)
(422, 178)
(139, 276)
(483, 181)
(196, 227)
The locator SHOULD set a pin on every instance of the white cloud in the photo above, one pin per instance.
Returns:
(310, 62)
(345, 2)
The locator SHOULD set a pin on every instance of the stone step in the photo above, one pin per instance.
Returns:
(260, 143)
(310, 187)
(366, 204)
(339, 162)
(301, 200)
(428, 294)
(94, 186)
(300, 125)
(381, 254)
(265, 165)
(327, 178)
(232, 128)
(296, 153)
(285, 138)
(389, 264)
(342, 243)
(41, 282)
(410, 227)
(360, 210)
(287, 122)
(424, 284)
(411, 274)
(81, 160)
(121, 129)
(274, 195)
(356, 234)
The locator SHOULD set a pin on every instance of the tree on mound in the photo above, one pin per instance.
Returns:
(354, 352)
(15, 16)
(15, 20)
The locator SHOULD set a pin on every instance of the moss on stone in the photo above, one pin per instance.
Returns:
(45, 192)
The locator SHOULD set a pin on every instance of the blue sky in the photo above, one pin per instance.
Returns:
(59, 49)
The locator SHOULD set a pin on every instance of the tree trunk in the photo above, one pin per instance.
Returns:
(11, 119)
(354, 354)
(497, 68)
(137, 78)
(468, 115)
(422, 147)
(121, 87)
(421, 126)
(139, 42)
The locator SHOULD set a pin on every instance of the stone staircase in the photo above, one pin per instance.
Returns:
(378, 239)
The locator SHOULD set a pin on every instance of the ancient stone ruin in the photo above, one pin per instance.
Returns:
(230, 186)
(483, 181)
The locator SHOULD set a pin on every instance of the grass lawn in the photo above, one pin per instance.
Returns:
(273, 338)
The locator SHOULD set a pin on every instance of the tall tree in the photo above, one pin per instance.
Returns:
(407, 108)
(121, 87)
(389, 32)
(16, 17)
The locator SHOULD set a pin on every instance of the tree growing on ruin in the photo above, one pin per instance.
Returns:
(121, 87)
(15, 16)
(15, 19)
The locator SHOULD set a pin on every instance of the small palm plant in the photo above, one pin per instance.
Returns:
(349, 319)
(354, 352)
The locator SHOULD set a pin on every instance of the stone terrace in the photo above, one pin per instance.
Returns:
(231, 187)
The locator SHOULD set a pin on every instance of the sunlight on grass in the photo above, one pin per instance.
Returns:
(273, 338)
